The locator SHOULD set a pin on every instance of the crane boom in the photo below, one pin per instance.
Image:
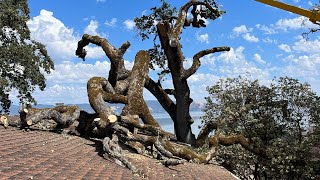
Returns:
(314, 16)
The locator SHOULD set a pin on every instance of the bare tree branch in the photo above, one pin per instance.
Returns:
(177, 30)
(238, 139)
(117, 70)
(182, 20)
(196, 59)
(204, 133)
(161, 96)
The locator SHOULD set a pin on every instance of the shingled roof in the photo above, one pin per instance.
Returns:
(46, 155)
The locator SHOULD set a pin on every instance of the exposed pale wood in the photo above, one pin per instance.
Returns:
(29, 122)
(4, 121)
(112, 118)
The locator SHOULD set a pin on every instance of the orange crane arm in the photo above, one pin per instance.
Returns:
(314, 16)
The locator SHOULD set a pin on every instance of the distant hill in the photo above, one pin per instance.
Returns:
(153, 105)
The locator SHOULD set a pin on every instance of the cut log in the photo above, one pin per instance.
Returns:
(29, 122)
(112, 118)
(63, 115)
(4, 121)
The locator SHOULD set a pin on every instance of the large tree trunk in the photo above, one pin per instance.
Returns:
(182, 120)
(136, 104)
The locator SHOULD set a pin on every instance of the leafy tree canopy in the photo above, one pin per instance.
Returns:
(282, 119)
(23, 61)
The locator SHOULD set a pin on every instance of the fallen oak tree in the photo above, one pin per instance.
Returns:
(66, 119)
(63, 115)
(149, 138)
(125, 86)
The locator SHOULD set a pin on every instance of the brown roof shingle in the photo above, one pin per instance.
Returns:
(46, 155)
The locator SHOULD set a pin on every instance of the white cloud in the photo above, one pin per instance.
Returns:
(198, 84)
(269, 41)
(204, 38)
(241, 30)
(294, 23)
(111, 23)
(303, 62)
(266, 29)
(258, 58)
(101, 1)
(310, 47)
(129, 24)
(74, 73)
(61, 41)
(250, 38)
(234, 63)
(67, 83)
(67, 94)
(144, 12)
(52, 32)
(92, 28)
(303, 67)
(287, 24)
(285, 47)
(223, 65)
(245, 32)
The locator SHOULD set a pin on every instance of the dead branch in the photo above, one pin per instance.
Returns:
(63, 115)
(113, 150)
(99, 92)
(204, 133)
(117, 70)
(196, 59)
(238, 139)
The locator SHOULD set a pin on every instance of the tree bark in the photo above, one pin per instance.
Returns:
(136, 104)
(63, 115)
(182, 120)
(99, 92)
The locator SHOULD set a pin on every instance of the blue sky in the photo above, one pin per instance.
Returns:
(265, 42)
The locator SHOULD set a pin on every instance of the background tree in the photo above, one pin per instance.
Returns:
(22, 60)
(282, 119)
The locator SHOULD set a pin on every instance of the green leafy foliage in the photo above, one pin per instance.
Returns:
(146, 26)
(22, 60)
(146, 23)
(282, 119)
